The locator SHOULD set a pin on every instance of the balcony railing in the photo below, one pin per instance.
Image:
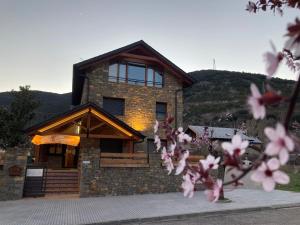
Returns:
(108, 159)
(135, 81)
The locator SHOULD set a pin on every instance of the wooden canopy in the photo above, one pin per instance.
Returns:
(88, 121)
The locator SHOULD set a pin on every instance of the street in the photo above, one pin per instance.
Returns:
(283, 216)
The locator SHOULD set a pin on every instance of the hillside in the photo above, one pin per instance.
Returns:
(214, 94)
(217, 93)
(50, 103)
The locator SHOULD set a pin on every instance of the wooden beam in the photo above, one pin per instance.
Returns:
(141, 57)
(105, 136)
(97, 126)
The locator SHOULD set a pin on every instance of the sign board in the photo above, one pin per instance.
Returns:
(56, 139)
(34, 172)
(15, 171)
(86, 162)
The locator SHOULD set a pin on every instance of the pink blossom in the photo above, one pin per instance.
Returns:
(255, 101)
(280, 143)
(182, 137)
(167, 160)
(156, 126)
(272, 60)
(210, 162)
(251, 7)
(188, 185)
(172, 148)
(236, 147)
(268, 174)
(182, 162)
(214, 194)
(157, 142)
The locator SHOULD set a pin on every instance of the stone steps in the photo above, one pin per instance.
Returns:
(62, 182)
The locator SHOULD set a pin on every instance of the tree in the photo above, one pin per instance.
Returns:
(14, 118)
(266, 168)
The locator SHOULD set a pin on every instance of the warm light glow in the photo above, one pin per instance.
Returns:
(139, 122)
(56, 139)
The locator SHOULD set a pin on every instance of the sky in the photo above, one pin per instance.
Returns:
(40, 40)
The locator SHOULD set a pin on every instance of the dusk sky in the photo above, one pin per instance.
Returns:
(41, 40)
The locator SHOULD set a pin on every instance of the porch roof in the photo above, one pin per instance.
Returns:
(81, 110)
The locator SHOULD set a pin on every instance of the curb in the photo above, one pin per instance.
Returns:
(188, 215)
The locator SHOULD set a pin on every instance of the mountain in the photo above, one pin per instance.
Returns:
(50, 104)
(217, 94)
(214, 95)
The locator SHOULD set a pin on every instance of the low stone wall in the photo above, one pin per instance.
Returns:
(11, 187)
(96, 181)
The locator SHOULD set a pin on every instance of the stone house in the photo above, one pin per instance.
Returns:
(104, 144)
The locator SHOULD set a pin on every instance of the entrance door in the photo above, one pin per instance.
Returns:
(71, 157)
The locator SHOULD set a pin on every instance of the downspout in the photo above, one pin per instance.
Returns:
(176, 103)
(88, 87)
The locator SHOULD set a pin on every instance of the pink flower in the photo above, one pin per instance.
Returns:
(214, 194)
(157, 142)
(272, 60)
(256, 103)
(156, 126)
(268, 174)
(236, 146)
(210, 162)
(172, 148)
(251, 7)
(182, 162)
(280, 143)
(182, 137)
(188, 185)
(167, 160)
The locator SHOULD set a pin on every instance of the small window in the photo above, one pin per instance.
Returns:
(161, 110)
(158, 79)
(114, 106)
(111, 145)
(113, 72)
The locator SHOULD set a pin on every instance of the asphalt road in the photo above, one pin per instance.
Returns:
(283, 216)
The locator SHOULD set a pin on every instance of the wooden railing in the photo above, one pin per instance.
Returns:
(123, 159)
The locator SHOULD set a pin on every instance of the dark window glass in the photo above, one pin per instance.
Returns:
(150, 79)
(161, 110)
(114, 106)
(136, 74)
(111, 145)
(113, 72)
(122, 73)
(151, 146)
(158, 79)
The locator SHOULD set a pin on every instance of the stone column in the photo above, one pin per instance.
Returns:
(89, 164)
(11, 187)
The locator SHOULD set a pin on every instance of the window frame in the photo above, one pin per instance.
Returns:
(119, 99)
(144, 82)
(156, 112)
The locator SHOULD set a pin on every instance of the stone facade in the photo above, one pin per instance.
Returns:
(11, 187)
(140, 101)
(97, 181)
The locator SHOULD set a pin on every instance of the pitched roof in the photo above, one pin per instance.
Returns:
(78, 67)
(223, 133)
(31, 130)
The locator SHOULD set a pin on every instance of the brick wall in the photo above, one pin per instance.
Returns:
(140, 101)
(96, 181)
(11, 187)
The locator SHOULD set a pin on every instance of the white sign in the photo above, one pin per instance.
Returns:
(86, 162)
(34, 173)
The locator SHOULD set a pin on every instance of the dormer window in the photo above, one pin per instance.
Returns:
(136, 74)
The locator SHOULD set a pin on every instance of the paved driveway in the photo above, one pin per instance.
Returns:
(104, 209)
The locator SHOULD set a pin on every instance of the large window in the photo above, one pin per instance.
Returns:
(161, 110)
(111, 145)
(136, 74)
(114, 106)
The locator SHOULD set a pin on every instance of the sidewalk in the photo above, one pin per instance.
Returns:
(106, 209)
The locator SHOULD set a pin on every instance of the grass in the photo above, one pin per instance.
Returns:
(294, 174)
